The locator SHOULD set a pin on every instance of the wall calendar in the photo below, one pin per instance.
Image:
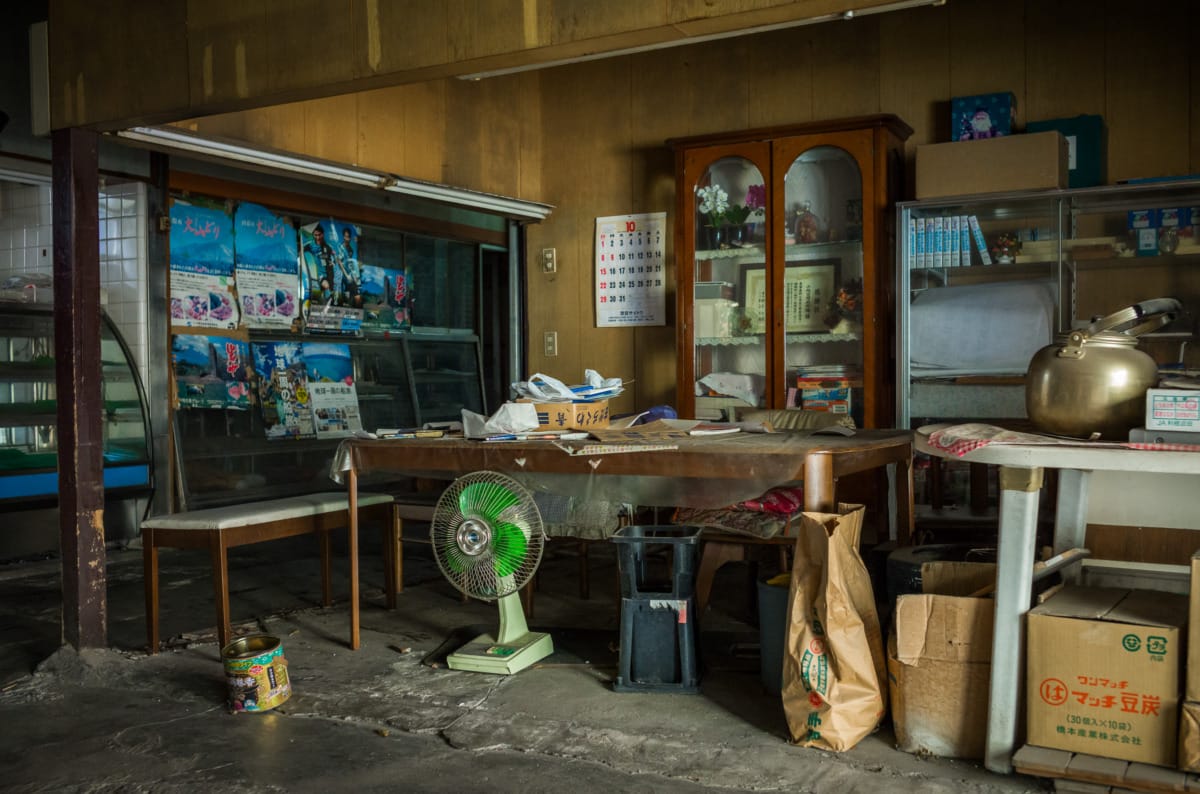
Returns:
(631, 270)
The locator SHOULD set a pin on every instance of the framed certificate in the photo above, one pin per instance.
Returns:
(807, 290)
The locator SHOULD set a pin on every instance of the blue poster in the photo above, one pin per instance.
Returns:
(211, 371)
(330, 277)
(385, 298)
(283, 390)
(201, 243)
(330, 373)
(268, 281)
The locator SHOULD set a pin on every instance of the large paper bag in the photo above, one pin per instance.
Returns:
(834, 667)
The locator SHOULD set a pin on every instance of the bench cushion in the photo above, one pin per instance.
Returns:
(262, 512)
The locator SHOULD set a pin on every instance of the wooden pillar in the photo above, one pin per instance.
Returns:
(77, 369)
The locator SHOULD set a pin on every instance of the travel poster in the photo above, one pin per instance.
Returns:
(202, 281)
(385, 298)
(330, 277)
(330, 373)
(211, 371)
(283, 390)
(268, 281)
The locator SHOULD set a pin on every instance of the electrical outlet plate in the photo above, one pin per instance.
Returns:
(549, 260)
(550, 343)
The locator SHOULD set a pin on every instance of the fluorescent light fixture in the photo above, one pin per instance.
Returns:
(503, 205)
(172, 139)
(683, 42)
(175, 139)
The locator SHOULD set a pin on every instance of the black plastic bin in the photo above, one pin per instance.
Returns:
(642, 576)
(658, 613)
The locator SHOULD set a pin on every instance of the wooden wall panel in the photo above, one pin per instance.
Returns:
(1146, 103)
(1064, 59)
(987, 48)
(914, 71)
(330, 128)
(93, 47)
(1142, 544)
(780, 88)
(845, 68)
(656, 106)
(387, 25)
(1194, 93)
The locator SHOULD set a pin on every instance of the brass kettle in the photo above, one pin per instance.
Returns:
(1092, 382)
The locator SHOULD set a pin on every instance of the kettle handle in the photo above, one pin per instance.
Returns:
(1156, 312)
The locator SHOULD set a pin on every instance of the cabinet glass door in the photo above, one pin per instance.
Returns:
(822, 282)
(730, 312)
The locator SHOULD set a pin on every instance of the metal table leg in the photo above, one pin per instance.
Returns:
(1014, 580)
(1070, 516)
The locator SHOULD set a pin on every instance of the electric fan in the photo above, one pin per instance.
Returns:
(487, 538)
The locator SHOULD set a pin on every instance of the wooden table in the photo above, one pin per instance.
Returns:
(1021, 468)
(703, 471)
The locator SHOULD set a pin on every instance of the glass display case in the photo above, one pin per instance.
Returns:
(988, 280)
(28, 411)
(404, 380)
(782, 241)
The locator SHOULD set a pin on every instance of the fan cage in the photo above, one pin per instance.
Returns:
(487, 535)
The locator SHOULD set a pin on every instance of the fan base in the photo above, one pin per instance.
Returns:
(484, 655)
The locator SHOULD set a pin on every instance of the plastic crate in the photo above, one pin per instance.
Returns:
(658, 646)
(644, 574)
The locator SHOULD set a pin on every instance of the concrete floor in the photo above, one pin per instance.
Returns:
(378, 719)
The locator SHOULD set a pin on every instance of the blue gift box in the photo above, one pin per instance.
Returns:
(982, 116)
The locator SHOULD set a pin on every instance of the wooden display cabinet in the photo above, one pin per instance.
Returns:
(783, 239)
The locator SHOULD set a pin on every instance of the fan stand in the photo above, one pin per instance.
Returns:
(515, 649)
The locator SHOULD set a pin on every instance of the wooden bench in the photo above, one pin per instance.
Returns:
(221, 528)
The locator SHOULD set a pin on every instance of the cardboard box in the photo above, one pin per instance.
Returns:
(1014, 162)
(1192, 690)
(1189, 737)
(1104, 673)
(939, 662)
(1087, 155)
(1173, 409)
(572, 416)
(983, 116)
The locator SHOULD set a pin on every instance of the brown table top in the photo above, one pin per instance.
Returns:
(703, 471)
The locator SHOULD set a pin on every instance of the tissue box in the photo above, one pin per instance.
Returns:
(571, 416)
(982, 116)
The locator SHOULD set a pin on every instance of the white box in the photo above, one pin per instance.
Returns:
(1173, 409)
(714, 317)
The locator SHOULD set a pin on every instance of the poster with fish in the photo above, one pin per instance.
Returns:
(211, 371)
(202, 278)
(330, 373)
(385, 299)
(268, 282)
(330, 279)
(283, 390)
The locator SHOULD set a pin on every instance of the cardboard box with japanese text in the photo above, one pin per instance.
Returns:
(1104, 673)
(572, 416)
(939, 661)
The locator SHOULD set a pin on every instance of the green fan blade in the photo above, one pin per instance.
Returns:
(508, 548)
(486, 499)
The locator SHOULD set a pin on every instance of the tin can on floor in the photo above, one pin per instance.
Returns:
(256, 673)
